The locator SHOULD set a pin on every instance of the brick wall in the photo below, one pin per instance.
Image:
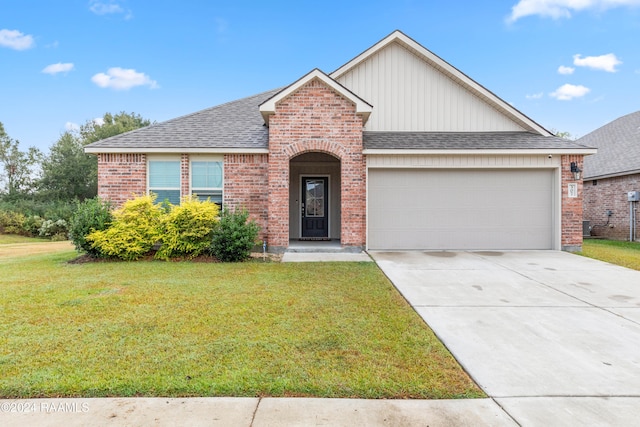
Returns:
(610, 194)
(121, 176)
(315, 118)
(245, 180)
(571, 239)
(184, 175)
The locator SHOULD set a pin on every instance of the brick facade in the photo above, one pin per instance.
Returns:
(245, 178)
(571, 221)
(316, 119)
(121, 176)
(610, 194)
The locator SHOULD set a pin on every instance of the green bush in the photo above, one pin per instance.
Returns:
(135, 229)
(32, 224)
(54, 230)
(90, 215)
(45, 209)
(234, 237)
(12, 222)
(187, 229)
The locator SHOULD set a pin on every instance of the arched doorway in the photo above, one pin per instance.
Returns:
(314, 197)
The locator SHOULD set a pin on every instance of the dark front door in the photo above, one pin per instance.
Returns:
(315, 208)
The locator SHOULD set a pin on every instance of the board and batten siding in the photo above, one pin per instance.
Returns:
(410, 94)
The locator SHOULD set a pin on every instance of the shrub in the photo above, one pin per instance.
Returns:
(187, 229)
(55, 230)
(90, 215)
(134, 231)
(12, 222)
(235, 236)
(32, 224)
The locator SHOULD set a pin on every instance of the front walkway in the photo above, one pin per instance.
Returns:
(552, 337)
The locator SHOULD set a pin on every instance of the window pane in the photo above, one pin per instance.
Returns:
(164, 174)
(206, 174)
(315, 198)
(215, 196)
(172, 196)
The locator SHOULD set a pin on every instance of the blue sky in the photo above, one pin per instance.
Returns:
(571, 65)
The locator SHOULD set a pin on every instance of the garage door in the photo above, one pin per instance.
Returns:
(460, 209)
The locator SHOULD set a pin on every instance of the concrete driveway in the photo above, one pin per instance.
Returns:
(552, 337)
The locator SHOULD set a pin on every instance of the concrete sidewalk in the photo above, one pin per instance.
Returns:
(254, 412)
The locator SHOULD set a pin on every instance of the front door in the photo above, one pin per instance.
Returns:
(315, 208)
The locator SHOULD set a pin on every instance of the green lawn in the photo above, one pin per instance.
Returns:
(626, 254)
(12, 238)
(207, 329)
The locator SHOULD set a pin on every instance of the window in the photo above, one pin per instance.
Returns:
(164, 180)
(206, 180)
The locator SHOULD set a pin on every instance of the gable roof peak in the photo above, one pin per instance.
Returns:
(268, 107)
(450, 72)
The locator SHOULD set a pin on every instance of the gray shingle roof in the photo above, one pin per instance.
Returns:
(618, 144)
(237, 124)
(465, 141)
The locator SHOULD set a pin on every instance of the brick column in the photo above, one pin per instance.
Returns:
(185, 185)
(571, 239)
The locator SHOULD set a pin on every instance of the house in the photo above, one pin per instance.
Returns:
(396, 149)
(610, 175)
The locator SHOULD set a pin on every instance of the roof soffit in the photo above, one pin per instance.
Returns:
(363, 108)
(450, 71)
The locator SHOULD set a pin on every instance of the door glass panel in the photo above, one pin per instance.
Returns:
(315, 198)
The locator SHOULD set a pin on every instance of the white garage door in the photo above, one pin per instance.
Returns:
(460, 209)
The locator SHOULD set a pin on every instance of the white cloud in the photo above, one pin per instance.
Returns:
(108, 8)
(557, 9)
(71, 127)
(58, 68)
(98, 121)
(535, 95)
(606, 62)
(565, 70)
(14, 39)
(123, 79)
(567, 92)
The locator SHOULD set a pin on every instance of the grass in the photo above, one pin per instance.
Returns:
(626, 254)
(207, 329)
(7, 239)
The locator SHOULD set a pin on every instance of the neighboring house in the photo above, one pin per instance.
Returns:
(397, 149)
(610, 175)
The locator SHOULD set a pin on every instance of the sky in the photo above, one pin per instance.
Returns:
(570, 65)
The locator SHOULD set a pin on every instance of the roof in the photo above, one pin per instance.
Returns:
(618, 144)
(239, 126)
(236, 126)
(455, 141)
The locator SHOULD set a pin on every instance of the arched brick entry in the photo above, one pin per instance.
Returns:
(316, 119)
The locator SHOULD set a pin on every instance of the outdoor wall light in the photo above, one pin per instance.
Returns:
(575, 170)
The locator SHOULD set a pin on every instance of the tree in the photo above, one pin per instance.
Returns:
(18, 169)
(68, 172)
(563, 135)
(111, 125)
